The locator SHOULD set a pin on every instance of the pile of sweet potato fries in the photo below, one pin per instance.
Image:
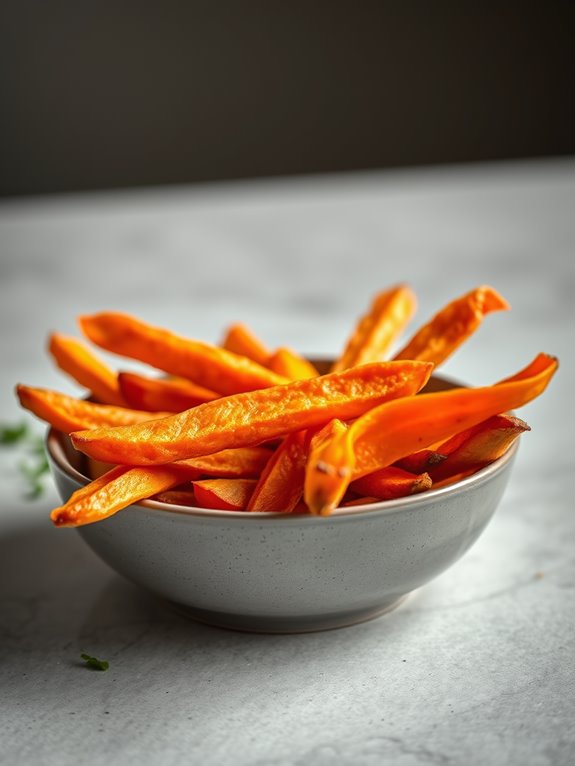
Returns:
(240, 427)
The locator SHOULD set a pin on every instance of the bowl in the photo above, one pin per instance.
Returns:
(280, 573)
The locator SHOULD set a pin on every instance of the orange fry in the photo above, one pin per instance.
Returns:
(286, 362)
(486, 442)
(240, 463)
(244, 463)
(376, 331)
(209, 366)
(407, 425)
(440, 337)
(330, 466)
(280, 487)
(252, 418)
(432, 417)
(177, 497)
(421, 461)
(102, 498)
(69, 414)
(224, 494)
(167, 394)
(125, 485)
(391, 482)
(77, 360)
(241, 340)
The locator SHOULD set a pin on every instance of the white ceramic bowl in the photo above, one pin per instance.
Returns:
(272, 572)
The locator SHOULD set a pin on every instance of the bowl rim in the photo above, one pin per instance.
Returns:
(56, 453)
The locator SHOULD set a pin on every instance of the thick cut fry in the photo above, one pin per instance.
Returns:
(99, 483)
(286, 362)
(432, 417)
(224, 494)
(115, 491)
(252, 418)
(177, 497)
(377, 330)
(69, 414)
(241, 463)
(408, 425)
(208, 366)
(167, 394)
(280, 487)
(241, 340)
(332, 458)
(440, 337)
(125, 485)
(390, 483)
(421, 461)
(77, 360)
(486, 442)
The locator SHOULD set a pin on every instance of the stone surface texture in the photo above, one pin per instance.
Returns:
(478, 667)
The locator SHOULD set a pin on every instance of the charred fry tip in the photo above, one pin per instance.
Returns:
(21, 390)
(60, 518)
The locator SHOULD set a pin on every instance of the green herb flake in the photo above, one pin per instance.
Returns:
(32, 448)
(94, 663)
(32, 473)
(13, 434)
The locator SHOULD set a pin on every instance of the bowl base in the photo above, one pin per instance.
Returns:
(296, 624)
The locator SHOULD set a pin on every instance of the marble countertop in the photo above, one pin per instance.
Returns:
(478, 667)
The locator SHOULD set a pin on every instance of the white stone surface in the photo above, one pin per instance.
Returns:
(476, 668)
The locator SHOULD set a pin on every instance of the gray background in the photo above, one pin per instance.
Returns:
(114, 94)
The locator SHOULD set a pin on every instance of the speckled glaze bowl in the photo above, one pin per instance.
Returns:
(283, 573)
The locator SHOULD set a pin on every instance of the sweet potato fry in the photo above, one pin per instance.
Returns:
(376, 331)
(286, 362)
(280, 487)
(446, 331)
(252, 418)
(409, 424)
(77, 360)
(330, 467)
(421, 461)
(241, 340)
(125, 485)
(240, 463)
(167, 394)
(209, 366)
(224, 494)
(69, 414)
(116, 490)
(390, 483)
(177, 497)
(484, 443)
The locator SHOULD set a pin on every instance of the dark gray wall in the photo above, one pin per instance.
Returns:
(108, 94)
